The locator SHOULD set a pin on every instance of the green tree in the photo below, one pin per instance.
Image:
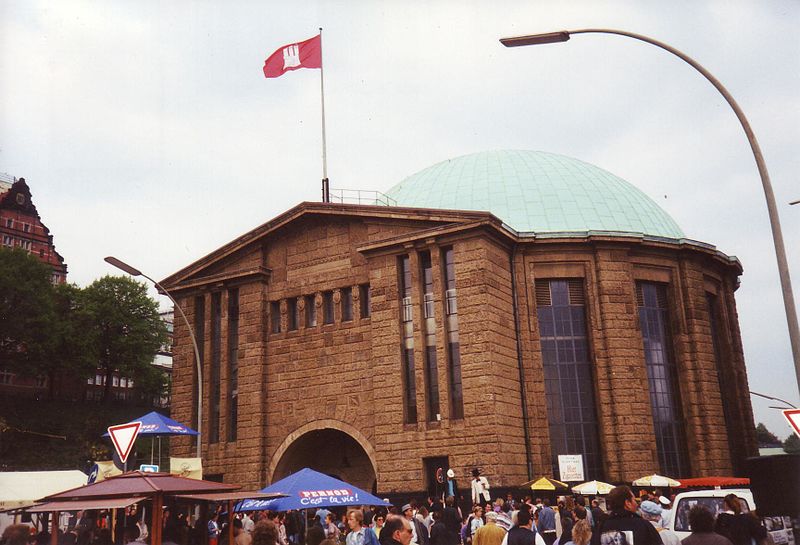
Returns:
(73, 351)
(125, 331)
(764, 436)
(792, 444)
(27, 313)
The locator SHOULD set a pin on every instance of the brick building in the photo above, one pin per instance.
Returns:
(21, 226)
(513, 307)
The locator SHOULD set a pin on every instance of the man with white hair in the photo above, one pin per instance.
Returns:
(651, 512)
(490, 533)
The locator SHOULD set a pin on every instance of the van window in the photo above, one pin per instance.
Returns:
(712, 504)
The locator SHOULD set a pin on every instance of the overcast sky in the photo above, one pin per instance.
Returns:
(146, 130)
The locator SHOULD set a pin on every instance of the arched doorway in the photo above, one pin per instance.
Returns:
(328, 451)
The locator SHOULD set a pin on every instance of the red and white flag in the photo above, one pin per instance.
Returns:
(307, 54)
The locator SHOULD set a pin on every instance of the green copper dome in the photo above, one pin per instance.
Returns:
(534, 191)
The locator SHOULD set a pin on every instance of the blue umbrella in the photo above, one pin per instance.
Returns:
(309, 489)
(157, 425)
(154, 423)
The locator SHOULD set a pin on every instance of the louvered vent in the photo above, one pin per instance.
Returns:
(576, 295)
(661, 294)
(543, 293)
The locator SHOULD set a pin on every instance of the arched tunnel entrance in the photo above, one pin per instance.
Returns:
(332, 452)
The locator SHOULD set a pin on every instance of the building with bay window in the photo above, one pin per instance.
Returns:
(504, 309)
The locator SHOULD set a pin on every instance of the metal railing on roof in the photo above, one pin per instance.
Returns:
(361, 196)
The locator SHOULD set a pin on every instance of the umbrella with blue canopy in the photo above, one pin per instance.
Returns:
(157, 425)
(154, 423)
(309, 489)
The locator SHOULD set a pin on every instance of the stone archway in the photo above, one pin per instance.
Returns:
(330, 447)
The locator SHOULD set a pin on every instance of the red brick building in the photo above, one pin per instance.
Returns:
(21, 226)
(514, 307)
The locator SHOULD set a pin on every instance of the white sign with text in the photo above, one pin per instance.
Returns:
(570, 467)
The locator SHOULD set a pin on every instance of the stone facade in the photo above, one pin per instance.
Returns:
(331, 395)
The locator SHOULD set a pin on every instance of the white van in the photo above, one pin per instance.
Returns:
(711, 499)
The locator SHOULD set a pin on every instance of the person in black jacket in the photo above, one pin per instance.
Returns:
(623, 526)
(737, 526)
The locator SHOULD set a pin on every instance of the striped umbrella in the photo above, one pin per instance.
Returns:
(592, 488)
(545, 483)
(656, 480)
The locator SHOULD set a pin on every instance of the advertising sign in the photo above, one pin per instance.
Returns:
(570, 467)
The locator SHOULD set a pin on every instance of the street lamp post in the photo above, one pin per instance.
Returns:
(121, 265)
(772, 208)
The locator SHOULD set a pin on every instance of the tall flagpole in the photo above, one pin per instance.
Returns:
(326, 189)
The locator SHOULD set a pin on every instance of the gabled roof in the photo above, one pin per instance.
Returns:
(184, 277)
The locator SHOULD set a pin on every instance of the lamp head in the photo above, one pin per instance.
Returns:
(536, 39)
(121, 265)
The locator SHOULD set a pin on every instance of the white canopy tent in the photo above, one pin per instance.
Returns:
(23, 488)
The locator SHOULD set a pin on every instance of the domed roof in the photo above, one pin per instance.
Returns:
(535, 191)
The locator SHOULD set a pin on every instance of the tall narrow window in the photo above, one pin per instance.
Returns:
(292, 321)
(216, 361)
(431, 368)
(275, 316)
(327, 307)
(567, 365)
(727, 386)
(451, 328)
(407, 348)
(233, 363)
(347, 304)
(311, 312)
(662, 375)
(200, 337)
(364, 298)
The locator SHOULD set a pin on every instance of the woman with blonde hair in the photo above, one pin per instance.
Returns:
(581, 533)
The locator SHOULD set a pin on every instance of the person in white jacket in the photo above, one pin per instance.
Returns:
(480, 488)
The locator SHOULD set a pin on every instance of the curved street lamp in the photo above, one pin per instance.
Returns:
(121, 265)
(772, 208)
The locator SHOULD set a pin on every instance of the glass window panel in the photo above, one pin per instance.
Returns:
(662, 379)
(569, 384)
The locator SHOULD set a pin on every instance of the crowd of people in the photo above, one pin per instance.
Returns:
(626, 520)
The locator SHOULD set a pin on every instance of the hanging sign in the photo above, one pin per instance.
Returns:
(570, 466)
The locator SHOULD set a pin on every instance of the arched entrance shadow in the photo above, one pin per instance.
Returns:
(328, 446)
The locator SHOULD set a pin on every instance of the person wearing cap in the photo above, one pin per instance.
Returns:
(651, 512)
(417, 528)
(480, 488)
(490, 533)
(666, 510)
(452, 485)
